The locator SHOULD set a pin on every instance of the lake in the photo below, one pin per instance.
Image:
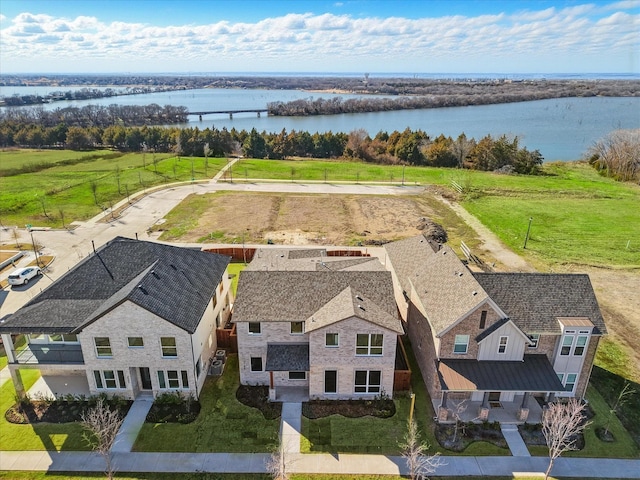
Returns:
(561, 129)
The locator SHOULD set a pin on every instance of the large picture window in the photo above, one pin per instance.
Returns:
(369, 344)
(368, 381)
(168, 345)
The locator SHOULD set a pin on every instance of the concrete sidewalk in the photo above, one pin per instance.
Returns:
(514, 440)
(290, 427)
(311, 463)
(132, 424)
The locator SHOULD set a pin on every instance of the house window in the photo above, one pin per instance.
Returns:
(168, 345)
(254, 328)
(297, 375)
(560, 377)
(581, 342)
(570, 383)
(502, 346)
(109, 379)
(567, 341)
(534, 339)
(256, 364)
(369, 344)
(331, 340)
(135, 342)
(173, 379)
(368, 381)
(103, 346)
(66, 338)
(297, 328)
(461, 344)
(483, 318)
(330, 381)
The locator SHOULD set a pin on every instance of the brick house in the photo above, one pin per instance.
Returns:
(134, 317)
(494, 339)
(324, 327)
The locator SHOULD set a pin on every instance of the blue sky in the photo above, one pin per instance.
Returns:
(419, 36)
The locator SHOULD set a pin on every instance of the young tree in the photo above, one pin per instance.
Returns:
(420, 464)
(102, 425)
(207, 151)
(621, 399)
(42, 200)
(93, 184)
(459, 409)
(61, 213)
(561, 425)
(278, 464)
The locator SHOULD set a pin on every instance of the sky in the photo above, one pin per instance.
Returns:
(308, 36)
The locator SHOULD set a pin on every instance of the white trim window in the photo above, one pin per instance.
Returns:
(255, 328)
(534, 340)
(173, 379)
(502, 345)
(461, 344)
(567, 342)
(369, 344)
(570, 382)
(297, 328)
(368, 381)
(103, 347)
(168, 346)
(581, 345)
(331, 340)
(135, 342)
(63, 338)
(109, 379)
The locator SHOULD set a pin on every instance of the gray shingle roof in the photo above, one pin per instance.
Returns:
(297, 295)
(174, 283)
(535, 301)
(533, 374)
(308, 260)
(288, 357)
(409, 256)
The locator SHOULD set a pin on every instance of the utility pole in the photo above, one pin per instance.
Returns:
(526, 239)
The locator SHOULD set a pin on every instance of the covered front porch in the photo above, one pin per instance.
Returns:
(288, 367)
(490, 390)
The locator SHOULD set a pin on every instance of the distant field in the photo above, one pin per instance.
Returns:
(62, 180)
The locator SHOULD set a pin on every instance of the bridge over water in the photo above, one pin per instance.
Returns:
(258, 111)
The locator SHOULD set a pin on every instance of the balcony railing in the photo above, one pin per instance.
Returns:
(50, 354)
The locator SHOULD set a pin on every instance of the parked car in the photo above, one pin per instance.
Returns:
(21, 276)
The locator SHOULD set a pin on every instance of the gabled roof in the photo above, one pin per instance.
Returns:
(408, 256)
(308, 260)
(289, 296)
(536, 301)
(347, 304)
(174, 283)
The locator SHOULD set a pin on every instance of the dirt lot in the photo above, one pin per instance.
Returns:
(351, 219)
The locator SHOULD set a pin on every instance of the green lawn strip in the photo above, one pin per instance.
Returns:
(39, 436)
(223, 425)
(68, 187)
(3, 357)
(234, 269)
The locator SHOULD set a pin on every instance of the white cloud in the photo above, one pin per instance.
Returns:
(312, 42)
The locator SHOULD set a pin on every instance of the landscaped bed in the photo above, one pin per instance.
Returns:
(457, 439)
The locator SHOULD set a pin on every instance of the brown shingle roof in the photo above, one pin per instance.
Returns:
(408, 256)
(298, 295)
(534, 374)
(535, 301)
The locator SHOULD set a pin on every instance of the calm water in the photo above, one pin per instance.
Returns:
(562, 129)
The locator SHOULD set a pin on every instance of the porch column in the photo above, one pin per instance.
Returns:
(7, 341)
(523, 413)
(17, 382)
(552, 397)
(272, 390)
(483, 411)
(443, 413)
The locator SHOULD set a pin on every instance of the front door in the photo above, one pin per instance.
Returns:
(494, 396)
(145, 378)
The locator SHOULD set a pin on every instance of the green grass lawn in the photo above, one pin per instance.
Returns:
(40, 436)
(223, 425)
(64, 182)
(234, 269)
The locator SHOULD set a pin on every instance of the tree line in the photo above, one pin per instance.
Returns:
(409, 147)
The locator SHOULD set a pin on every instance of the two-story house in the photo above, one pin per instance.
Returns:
(323, 326)
(494, 338)
(133, 317)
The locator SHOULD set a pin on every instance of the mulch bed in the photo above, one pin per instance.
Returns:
(381, 408)
(258, 397)
(532, 435)
(54, 412)
(469, 433)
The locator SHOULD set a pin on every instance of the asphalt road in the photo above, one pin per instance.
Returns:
(70, 246)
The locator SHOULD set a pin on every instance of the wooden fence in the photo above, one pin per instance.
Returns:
(402, 373)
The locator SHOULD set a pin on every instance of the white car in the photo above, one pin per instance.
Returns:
(21, 276)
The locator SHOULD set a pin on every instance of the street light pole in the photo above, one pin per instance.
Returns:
(528, 230)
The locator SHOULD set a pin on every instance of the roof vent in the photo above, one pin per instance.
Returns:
(155, 274)
(361, 308)
(359, 298)
(142, 289)
(459, 274)
(174, 267)
(474, 293)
